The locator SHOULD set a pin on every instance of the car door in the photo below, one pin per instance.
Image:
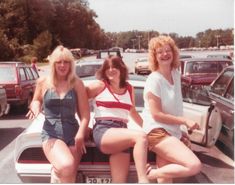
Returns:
(228, 113)
(222, 96)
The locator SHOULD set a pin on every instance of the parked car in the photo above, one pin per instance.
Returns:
(105, 53)
(221, 93)
(88, 68)
(19, 81)
(142, 66)
(182, 56)
(226, 56)
(31, 164)
(4, 106)
(199, 72)
(76, 53)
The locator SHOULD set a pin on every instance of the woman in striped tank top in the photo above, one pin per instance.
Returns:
(113, 102)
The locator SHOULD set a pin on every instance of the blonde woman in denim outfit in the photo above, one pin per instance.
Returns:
(113, 99)
(163, 114)
(61, 95)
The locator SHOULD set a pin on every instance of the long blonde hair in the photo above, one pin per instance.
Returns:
(158, 42)
(62, 53)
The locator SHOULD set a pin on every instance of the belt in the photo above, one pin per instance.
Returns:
(122, 124)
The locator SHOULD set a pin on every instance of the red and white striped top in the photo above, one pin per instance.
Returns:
(109, 105)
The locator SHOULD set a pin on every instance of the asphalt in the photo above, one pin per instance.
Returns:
(217, 167)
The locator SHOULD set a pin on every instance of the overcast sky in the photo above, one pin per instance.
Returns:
(184, 17)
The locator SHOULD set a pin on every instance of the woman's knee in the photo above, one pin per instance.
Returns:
(66, 168)
(195, 166)
(141, 137)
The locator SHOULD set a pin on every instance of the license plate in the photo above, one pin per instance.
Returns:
(99, 180)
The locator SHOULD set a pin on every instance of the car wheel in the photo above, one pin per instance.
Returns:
(214, 125)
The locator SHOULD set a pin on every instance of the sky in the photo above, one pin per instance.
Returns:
(184, 17)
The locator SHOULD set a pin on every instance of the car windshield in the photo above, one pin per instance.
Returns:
(201, 67)
(197, 96)
(87, 70)
(7, 74)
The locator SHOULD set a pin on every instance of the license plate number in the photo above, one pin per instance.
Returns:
(99, 180)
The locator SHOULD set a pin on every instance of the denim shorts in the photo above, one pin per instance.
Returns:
(63, 131)
(101, 126)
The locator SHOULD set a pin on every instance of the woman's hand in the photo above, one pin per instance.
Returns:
(185, 139)
(80, 144)
(34, 109)
(191, 125)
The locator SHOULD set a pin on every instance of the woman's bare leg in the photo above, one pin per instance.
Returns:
(182, 161)
(119, 170)
(116, 140)
(160, 163)
(61, 158)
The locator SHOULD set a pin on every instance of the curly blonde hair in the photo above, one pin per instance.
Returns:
(61, 53)
(158, 42)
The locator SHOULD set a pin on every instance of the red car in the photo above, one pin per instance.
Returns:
(19, 81)
(200, 72)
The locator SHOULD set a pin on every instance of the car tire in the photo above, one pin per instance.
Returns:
(214, 125)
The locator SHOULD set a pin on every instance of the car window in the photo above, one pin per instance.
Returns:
(8, 74)
(29, 73)
(201, 67)
(22, 74)
(35, 74)
(230, 92)
(87, 70)
(219, 86)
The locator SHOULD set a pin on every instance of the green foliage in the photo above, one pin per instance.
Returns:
(35, 27)
(42, 45)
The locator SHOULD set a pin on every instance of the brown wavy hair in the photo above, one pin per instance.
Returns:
(158, 42)
(118, 63)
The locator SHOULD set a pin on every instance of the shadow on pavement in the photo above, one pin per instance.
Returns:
(212, 161)
(199, 178)
(7, 135)
(15, 113)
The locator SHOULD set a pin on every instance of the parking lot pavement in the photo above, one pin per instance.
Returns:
(217, 167)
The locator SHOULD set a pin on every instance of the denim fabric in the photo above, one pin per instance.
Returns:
(101, 126)
(60, 121)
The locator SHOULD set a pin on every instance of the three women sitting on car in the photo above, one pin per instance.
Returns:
(113, 102)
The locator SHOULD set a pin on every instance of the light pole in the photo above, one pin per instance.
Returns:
(139, 36)
(217, 40)
(199, 43)
(133, 40)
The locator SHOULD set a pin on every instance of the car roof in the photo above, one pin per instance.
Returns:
(132, 77)
(183, 56)
(205, 59)
(11, 62)
(89, 62)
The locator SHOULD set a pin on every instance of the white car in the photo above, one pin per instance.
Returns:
(86, 68)
(142, 66)
(4, 106)
(31, 164)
